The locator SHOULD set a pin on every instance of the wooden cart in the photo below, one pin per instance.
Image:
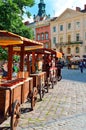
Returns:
(12, 94)
(49, 64)
(39, 83)
(15, 92)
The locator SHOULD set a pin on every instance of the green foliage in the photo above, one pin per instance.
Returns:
(3, 54)
(16, 58)
(11, 16)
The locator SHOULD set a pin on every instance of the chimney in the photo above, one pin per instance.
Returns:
(78, 9)
(85, 7)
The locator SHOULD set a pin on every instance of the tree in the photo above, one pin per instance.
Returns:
(11, 16)
(3, 54)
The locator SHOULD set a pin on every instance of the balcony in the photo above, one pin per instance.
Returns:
(74, 42)
(68, 43)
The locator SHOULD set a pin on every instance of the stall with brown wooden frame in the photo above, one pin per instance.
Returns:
(38, 78)
(13, 92)
(51, 71)
(42, 55)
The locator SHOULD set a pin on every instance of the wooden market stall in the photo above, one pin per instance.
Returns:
(43, 58)
(13, 92)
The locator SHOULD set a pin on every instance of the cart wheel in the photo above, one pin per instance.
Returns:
(34, 98)
(15, 115)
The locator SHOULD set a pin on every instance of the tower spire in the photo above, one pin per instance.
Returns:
(41, 11)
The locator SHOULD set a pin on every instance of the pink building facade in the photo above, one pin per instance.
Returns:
(43, 33)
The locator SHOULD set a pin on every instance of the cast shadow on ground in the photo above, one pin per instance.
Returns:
(4, 128)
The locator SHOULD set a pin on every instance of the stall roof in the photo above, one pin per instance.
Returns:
(8, 38)
(29, 42)
(47, 51)
(36, 49)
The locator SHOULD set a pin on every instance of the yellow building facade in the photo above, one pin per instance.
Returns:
(68, 33)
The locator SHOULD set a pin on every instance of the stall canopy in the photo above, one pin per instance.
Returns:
(59, 54)
(8, 38)
(11, 40)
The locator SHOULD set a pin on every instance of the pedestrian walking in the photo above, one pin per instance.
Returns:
(59, 67)
(81, 66)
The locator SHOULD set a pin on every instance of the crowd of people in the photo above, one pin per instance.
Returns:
(81, 65)
(5, 69)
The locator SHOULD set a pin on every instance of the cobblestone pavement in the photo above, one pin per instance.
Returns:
(63, 108)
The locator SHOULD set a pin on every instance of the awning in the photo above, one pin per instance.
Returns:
(59, 54)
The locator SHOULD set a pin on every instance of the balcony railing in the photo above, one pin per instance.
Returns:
(68, 43)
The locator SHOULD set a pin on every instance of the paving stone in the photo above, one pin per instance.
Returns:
(63, 108)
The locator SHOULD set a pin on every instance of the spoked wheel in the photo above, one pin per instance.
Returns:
(15, 115)
(34, 97)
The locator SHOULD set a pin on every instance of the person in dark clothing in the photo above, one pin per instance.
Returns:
(81, 66)
(59, 66)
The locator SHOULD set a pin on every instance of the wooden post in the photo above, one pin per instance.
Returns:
(22, 58)
(33, 62)
(28, 64)
(10, 61)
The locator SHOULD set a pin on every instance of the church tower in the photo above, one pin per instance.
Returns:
(41, 12)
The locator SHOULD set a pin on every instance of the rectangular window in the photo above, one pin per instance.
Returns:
(61, 27)
(77, 24)
(69, 38)
(54, 40)
(42, 36)
(54, 29)
(46, 36)
(61, 39)
(69, 26)
(77, 37)
(38, 37)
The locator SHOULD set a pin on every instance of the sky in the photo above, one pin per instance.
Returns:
(55, 7)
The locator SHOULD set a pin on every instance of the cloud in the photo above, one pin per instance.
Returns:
(59, 6)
